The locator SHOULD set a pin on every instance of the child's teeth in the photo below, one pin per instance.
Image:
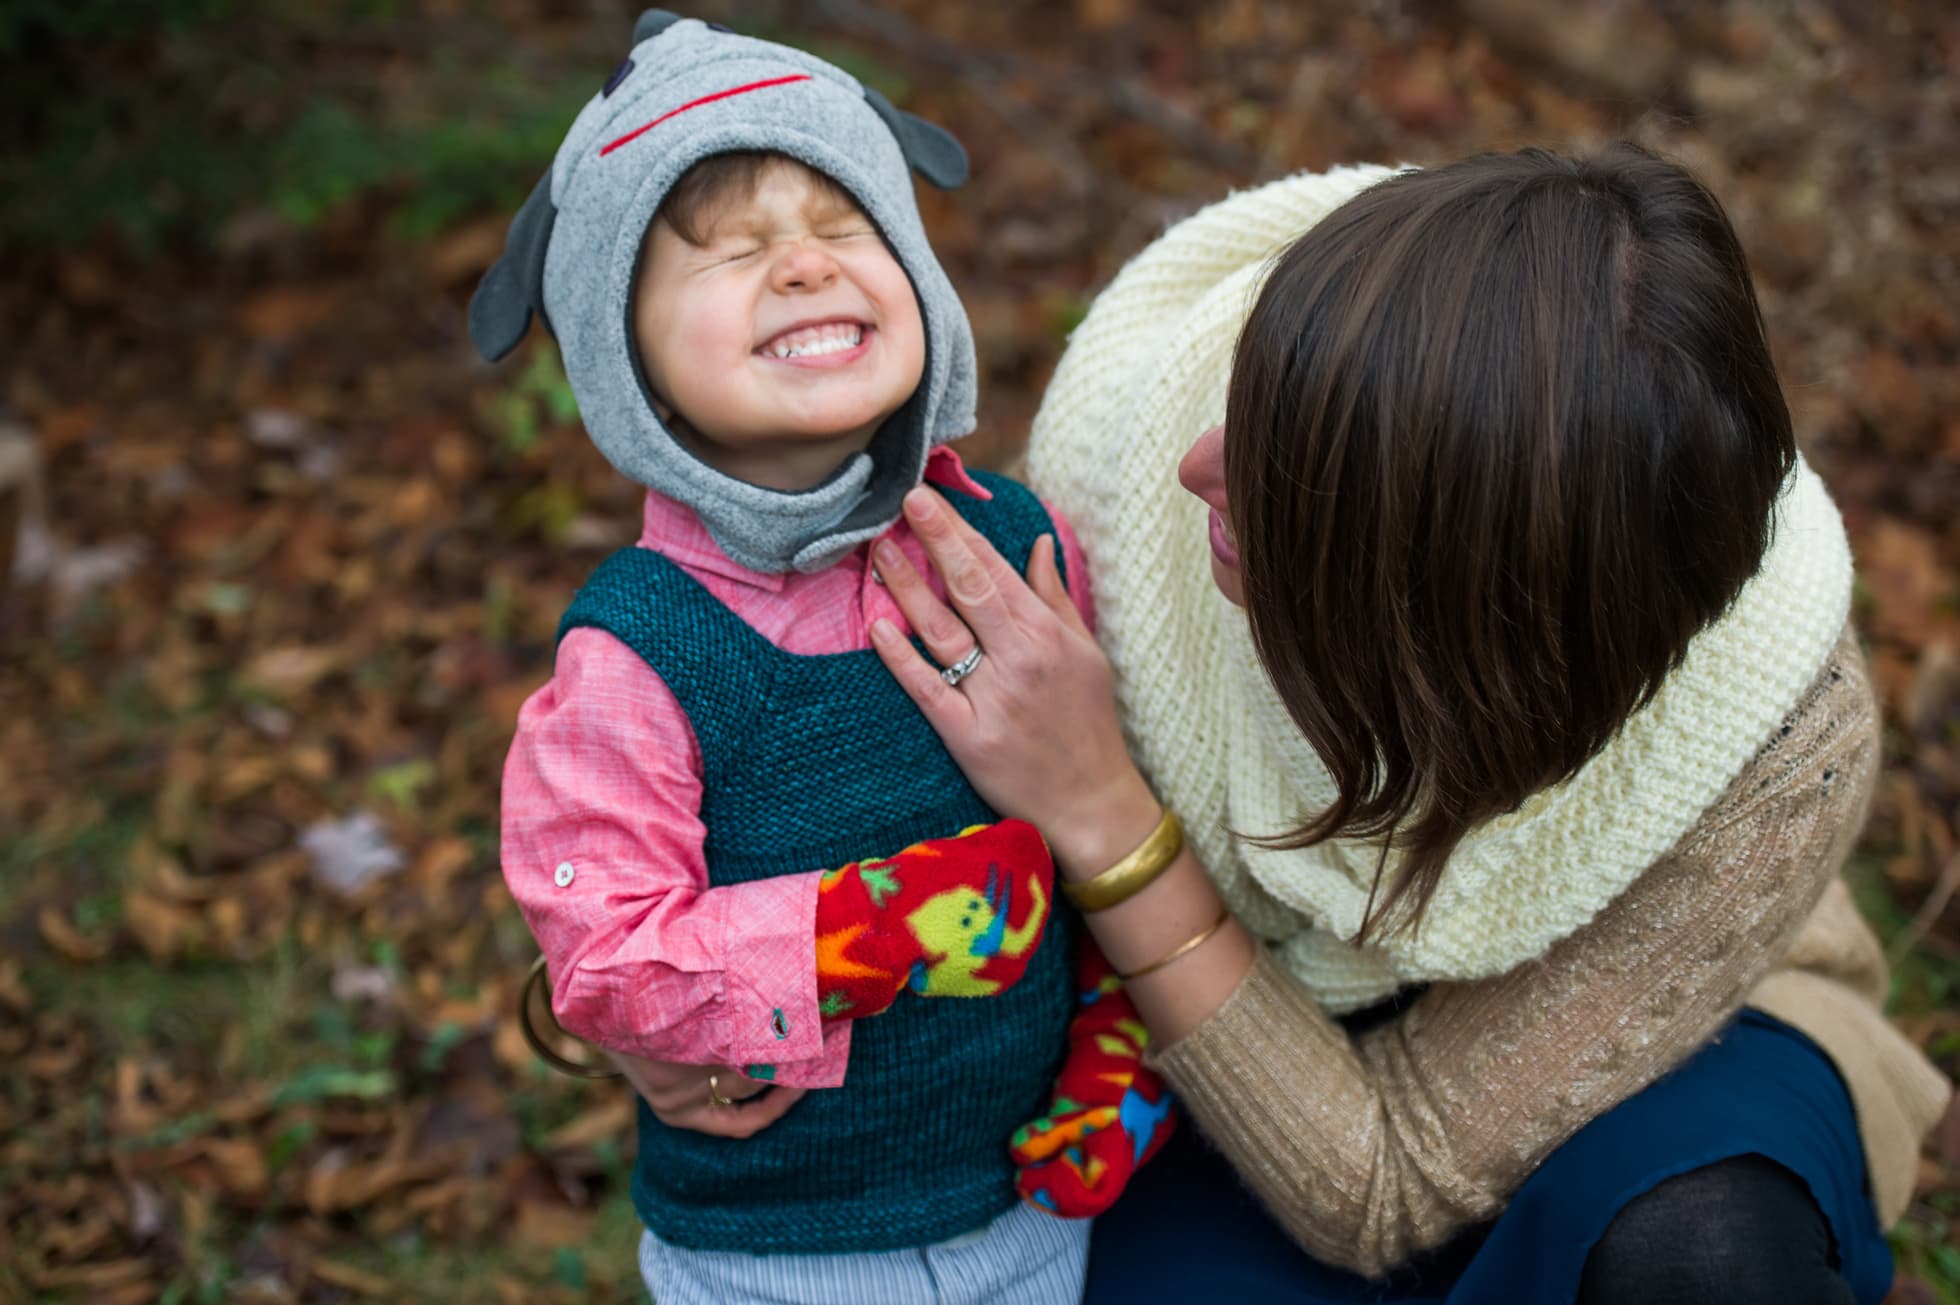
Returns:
(818, 340)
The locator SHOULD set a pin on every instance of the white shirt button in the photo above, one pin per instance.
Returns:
(563, 875)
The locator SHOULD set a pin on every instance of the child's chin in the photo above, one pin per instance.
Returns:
(828, 432)
(841, 426)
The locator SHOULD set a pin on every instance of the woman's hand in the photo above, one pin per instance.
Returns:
(1033, 726)
(678, 1096)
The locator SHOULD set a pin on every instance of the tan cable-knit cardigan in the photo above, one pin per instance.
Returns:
(1577, 948)
(1372, 1148)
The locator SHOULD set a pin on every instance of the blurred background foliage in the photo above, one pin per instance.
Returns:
(173, 121)
(280, 558)
(170, 121)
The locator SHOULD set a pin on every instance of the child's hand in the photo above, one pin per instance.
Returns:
(950, 917)
(678, 1096)
(1109, 1115)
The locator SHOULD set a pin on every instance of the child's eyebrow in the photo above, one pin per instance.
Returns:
(822, 211)
(832, 207)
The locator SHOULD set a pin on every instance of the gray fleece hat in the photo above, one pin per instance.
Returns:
(687, 91)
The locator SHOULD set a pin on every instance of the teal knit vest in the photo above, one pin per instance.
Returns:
(811, 762)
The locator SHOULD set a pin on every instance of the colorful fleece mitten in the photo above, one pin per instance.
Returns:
(950, 917)
(1109, 1115)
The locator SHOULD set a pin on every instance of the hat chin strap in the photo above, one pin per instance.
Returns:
(774, 530)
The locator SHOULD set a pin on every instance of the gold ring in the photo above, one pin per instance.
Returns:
(715, 1098)
(536, 979)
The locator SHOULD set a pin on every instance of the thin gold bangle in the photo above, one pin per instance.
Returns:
(532, 982)
(1189, 944)
(1133, 873)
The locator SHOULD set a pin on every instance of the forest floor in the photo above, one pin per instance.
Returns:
(300, 556)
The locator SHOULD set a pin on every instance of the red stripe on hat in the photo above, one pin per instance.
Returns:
(638, 132)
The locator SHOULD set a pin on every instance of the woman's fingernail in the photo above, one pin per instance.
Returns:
(886, 555)
(920, 502)
(883, 631)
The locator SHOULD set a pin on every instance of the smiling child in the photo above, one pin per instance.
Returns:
(738, 843)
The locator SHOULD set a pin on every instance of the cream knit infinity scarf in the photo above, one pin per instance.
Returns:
(1146, 373)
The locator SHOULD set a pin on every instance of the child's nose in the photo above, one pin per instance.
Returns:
(803, 266)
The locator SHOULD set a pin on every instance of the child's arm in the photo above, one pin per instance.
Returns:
(1109, 1113)
(949, 917)
(603, 786)
(602, 848)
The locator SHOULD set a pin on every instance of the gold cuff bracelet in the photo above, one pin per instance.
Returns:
(1133, 873)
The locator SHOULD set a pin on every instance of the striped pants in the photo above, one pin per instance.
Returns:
(1024, 1257)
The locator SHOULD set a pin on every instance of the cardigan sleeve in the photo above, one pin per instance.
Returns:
(1369, 1149)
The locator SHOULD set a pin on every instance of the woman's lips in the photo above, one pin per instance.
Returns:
(1222, 546)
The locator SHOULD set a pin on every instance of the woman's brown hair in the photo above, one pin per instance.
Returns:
(1501, 438)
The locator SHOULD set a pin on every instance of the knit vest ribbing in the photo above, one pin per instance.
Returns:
(810, 762)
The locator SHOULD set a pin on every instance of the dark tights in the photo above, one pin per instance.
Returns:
(1741, 1232)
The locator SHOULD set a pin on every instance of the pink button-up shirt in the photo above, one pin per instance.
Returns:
(602, 836)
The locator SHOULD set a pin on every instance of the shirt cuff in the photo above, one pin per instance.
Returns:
(769, 1010)
(825, 1070)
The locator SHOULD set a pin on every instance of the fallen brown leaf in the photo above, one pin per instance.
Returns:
(100, 1276)
(13, 993)
(468, 250)
(286, 672)
(608, 1120)
(72, 1239)
(283, 313)
(240, 1165)
(161, 927)
(336, 1274)
(552, 1226)
(72, 943)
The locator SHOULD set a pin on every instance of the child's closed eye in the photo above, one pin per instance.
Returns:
(735, 252)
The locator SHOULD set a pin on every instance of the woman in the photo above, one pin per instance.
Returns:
(1526, 771)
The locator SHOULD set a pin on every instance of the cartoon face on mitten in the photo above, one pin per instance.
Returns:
(962, 932)
(948, 917)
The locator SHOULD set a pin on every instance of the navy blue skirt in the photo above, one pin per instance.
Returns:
(1187, 1226)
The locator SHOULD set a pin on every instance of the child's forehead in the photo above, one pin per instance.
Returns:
(784, 180)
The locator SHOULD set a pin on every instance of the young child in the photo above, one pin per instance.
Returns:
(729, 253)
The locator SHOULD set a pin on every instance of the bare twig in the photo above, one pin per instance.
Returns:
(1930, 910)
(23, 510)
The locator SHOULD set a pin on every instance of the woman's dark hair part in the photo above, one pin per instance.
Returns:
(1502, 437)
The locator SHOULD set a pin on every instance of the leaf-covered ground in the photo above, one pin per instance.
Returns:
(286, 558)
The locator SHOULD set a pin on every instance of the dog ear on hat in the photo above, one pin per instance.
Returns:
(513, 289)
(652, 23)
(932, 151)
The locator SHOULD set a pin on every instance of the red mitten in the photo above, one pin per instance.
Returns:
(950, 917)
(1109, 1115)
